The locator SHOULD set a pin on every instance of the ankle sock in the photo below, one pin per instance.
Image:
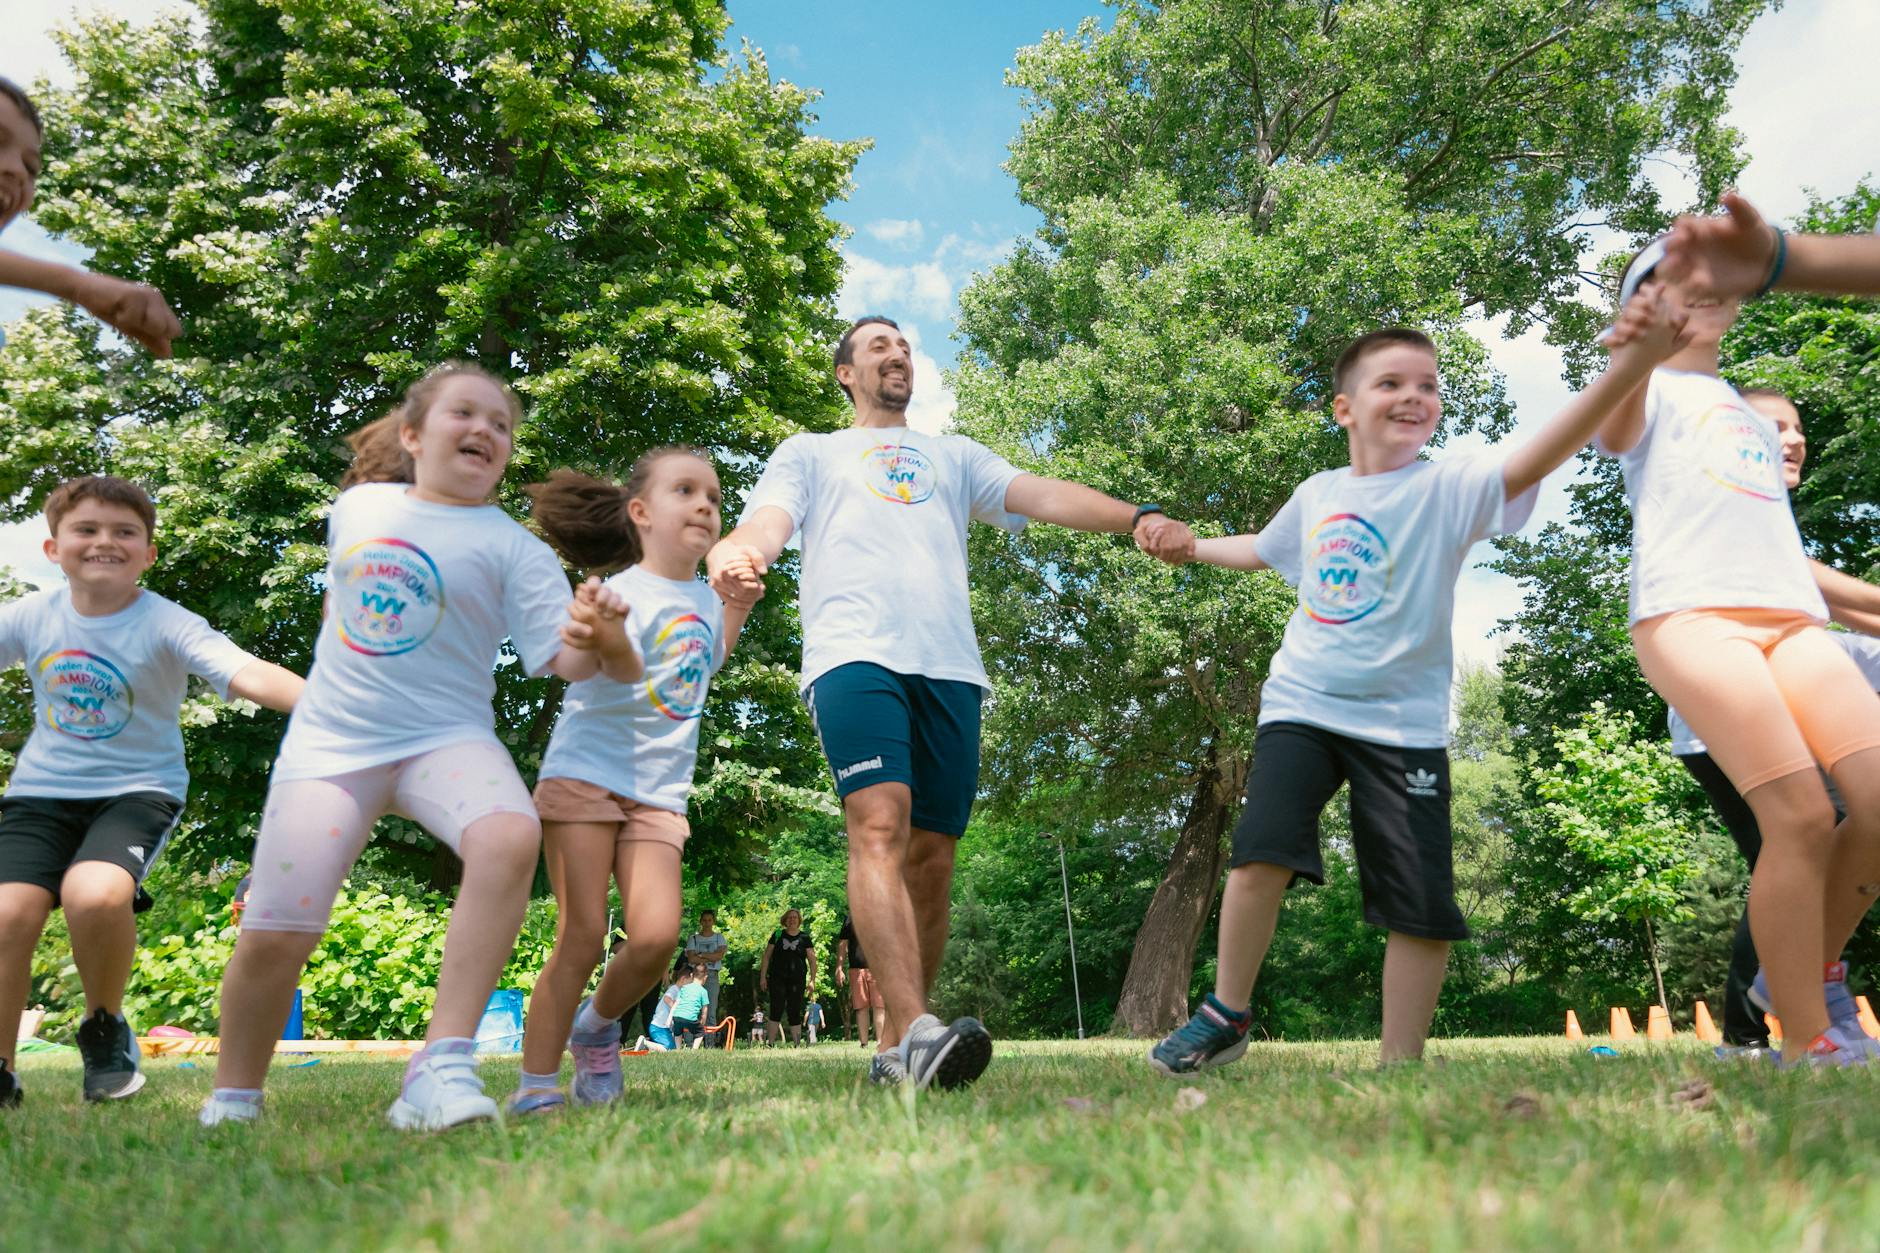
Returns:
(538, 1083)
(587, 1020)
(240, 1096)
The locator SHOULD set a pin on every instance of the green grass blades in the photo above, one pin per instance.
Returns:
(1498, 1145)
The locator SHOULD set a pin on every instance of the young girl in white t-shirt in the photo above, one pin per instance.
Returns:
(618, 769)
(1727, 614)
(425, 579)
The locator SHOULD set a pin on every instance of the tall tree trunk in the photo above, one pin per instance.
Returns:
(1155, 989)
(1658, 977)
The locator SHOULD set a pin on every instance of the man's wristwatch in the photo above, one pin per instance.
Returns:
(1143, 511)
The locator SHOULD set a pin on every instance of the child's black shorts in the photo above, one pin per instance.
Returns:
(1399, 821)
(41, 837)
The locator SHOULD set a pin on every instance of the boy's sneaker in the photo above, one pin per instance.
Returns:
(442, 1090)
(1832, 1048)
(217, 1110)
(1212, 1037)
(110, 1054)
(934, 1054)
(596, 1063)
(886, 1070)
(1843, 1009)
(534, 1101)
(9, 1088)
(1746, 1053)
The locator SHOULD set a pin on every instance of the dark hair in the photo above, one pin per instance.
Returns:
(1375, 341)
(682, 968)
(586, 519)
(845, 347)
(709, 910)
(17, 94)
(378, 457)
(1772, 393)
(106, 488)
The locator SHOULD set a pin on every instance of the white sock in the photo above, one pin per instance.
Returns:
(587, 1020)
(536, 1083)
(245, 1096)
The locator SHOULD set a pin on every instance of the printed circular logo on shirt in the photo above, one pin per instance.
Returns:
(388, 597)
(897, 473)
(1740, 452)
(681, 665)
(86, 696)
(1347, 572)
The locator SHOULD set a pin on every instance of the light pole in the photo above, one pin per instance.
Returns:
(1070, 931)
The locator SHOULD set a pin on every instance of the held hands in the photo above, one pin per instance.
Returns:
(134, 310)
(1647, 328)
(736, 572)
(1166, 539)
(1732, 254)
(597, 621)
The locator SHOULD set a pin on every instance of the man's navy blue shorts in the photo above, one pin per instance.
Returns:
(878, 726)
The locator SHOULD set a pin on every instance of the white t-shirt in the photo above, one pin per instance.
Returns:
(419, 599)
(1375, 558)
(1864, 649)
(106, 692)
(1711, 524)
(640, 740)
(662, 1017)
(883, 513)
(711, 948)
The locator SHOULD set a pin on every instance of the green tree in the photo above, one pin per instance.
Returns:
(1232, 189)
(1614, 798)
(592, 199)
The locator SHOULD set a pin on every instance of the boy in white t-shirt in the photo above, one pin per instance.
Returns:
(101, 781)
(1359, 690)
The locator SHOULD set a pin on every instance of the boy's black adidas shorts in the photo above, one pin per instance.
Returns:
(1399, 821)
(41, 837)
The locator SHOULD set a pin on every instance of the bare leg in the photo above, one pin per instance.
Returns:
(1854, 871)
(257, 995)
(881, 1022)
(649, 896)
(23, 911)
(580, 856)
(96, 897)
(1413, 979)
(499, 854)
(929, 877)
(1249, 913)
(879, 902)
(1785, 900)
(863, 1016)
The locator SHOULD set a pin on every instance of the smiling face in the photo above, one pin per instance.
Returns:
(1390, 406)
(880, 374)
(1789, 427)
(792, 921)
(462, 444)
(19, 159)
(678, 512)
(103, 548)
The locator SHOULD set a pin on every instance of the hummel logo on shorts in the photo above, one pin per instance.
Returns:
(872, 763)
(1420, 783)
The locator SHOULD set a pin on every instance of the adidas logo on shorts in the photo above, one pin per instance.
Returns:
(1420, 783)
(138, 853)
(872, 763)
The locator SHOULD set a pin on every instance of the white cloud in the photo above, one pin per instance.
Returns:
(31, 53)
(921, 289)
(22, 550)
(898, 232)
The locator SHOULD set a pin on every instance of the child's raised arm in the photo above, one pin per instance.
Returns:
(1647, 333)
(267, 684)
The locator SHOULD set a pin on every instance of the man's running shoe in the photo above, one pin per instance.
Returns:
(597, 1078)
(1746, 1053)
(886, 1071)
(534, 1101)
(217, 1110)
(110, 1054)
(9, 1088)
(442, 1089)
(1213, 1037)
(934, 1054)
(1833, 1048)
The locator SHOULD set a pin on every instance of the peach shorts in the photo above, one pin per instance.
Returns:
(1765, 689)
(576, 800)
(864, 993)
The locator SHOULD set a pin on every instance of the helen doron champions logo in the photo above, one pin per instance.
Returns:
(86, 696)
(679, 665)
(388, 595)
(1348, 570)
(897, 473)
(1740, 451)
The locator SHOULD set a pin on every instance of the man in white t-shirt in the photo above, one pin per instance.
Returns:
(891, 668)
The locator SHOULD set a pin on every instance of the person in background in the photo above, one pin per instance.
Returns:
(707, 948)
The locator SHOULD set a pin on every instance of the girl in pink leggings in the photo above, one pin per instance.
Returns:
(1727, 618)
(425, 580)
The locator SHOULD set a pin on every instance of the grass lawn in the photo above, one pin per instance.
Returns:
(1503, 1144)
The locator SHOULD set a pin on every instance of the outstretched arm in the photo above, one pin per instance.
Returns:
(1231, 552)
(267, 684)
(134, 310)
(1737, 252)
(1063, 503)
(1846, 594)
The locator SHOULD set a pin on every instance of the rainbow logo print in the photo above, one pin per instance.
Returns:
(1739, 450)
(1347, 570)
(387, 597)
(87, 697)
(898, 474)
(679, 667)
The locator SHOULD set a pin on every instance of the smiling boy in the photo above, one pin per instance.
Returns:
(100, 783)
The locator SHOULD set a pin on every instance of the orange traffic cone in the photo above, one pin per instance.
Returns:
(1573, 1027)
(1868, 1022)
(1775, 1026)
(1622, 1028)
(1706, 1029)
(1658, 1023)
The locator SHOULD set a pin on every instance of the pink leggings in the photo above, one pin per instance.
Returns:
(314, 829)
(1765, 689)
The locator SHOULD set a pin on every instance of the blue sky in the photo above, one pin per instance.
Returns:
(932, 206)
